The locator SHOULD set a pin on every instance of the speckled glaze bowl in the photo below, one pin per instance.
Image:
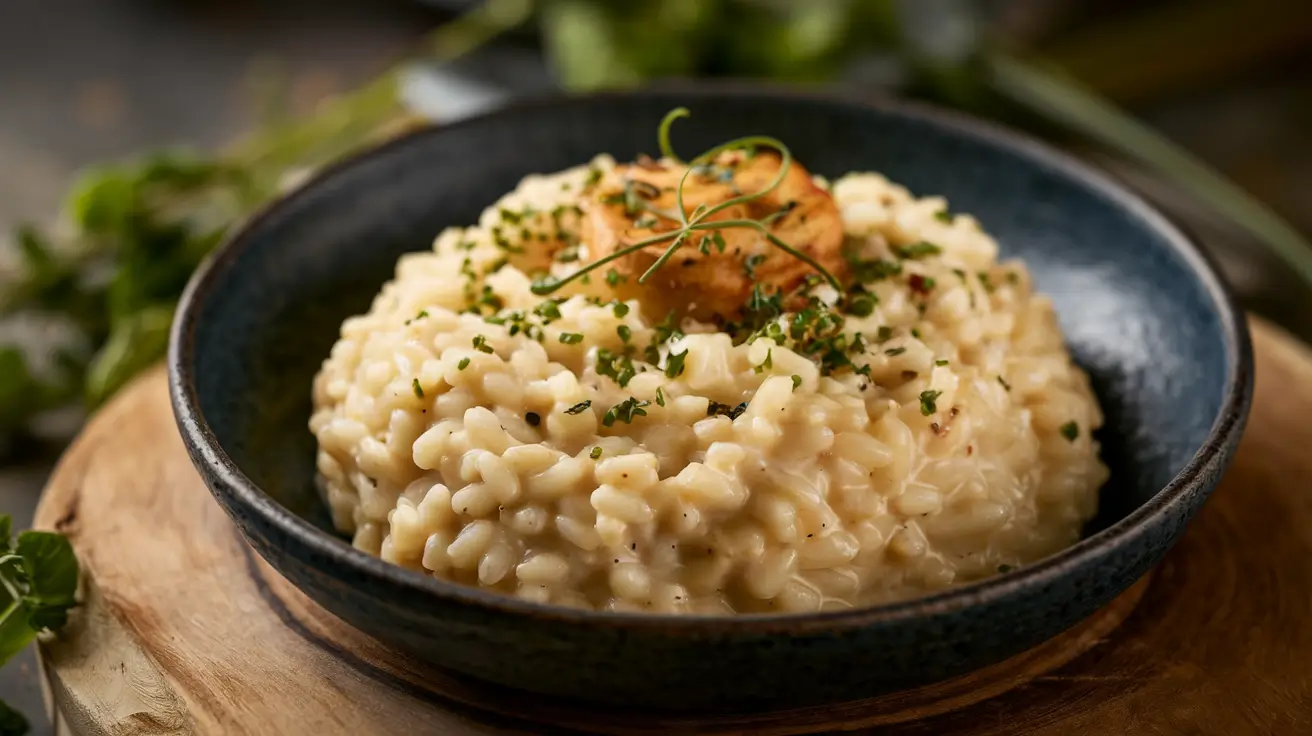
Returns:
(1144, 313)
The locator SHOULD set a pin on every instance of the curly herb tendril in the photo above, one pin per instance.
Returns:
(697, 221)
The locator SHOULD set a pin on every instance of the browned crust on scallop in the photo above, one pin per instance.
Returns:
(715, 283)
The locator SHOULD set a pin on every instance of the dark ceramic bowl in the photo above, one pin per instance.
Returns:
(1144, 313)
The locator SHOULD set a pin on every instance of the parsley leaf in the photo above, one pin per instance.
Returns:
(1070, 430)
(625, 411)
(38, 586)
(618, 368)
(674, 364)
(916, 251)
(549, 311)
(927, 402)
(863, 305)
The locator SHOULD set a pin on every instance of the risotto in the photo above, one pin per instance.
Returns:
(814, 397)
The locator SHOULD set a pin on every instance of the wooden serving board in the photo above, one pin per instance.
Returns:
(184, 630)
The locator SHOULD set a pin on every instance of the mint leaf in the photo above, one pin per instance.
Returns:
(15, 633)
(52, 572)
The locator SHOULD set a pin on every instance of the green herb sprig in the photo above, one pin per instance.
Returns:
(38, 586)
(698, 221)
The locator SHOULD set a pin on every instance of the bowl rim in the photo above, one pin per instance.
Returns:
(1209, 459)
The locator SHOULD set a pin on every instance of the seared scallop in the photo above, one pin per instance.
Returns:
(714, 271)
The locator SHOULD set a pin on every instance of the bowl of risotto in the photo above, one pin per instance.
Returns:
(697, 396)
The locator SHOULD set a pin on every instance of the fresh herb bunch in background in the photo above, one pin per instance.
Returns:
(110, 273)
(130, 236)
(38, 586)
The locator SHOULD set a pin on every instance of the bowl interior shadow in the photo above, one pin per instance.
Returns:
(1137, 318)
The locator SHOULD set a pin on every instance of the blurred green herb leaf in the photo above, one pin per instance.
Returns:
(38, 586)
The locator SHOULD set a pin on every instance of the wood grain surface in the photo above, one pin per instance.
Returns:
(184, 630)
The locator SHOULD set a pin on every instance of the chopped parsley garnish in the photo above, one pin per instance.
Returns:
(1004, 383)
(463, 364)
(894, 351)
(668, 329)
(619, 368)
(984, 281)
(940, 361)
(596, 452)
(580, 407)
(766, 364)
(733, 412)
(915, 333)
(480, 344)
(594, 176)
(621, 309)
(549, 311)
(916, 251)
(422, 313)
(875, 270)
(419, 390)
(660, 397)
(674, 364)
(884, 334)
(489, 298)
(715, 407)
(797, 381)
(533, 418)
(499, 239)
(625, 411)
(943, 216)
(1070, 430)
(762, 307)
(862, 305)
(614, 278)
(571, 338)
(624, 332)
(927, 402)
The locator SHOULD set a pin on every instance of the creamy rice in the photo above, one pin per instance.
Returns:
(479, 451)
